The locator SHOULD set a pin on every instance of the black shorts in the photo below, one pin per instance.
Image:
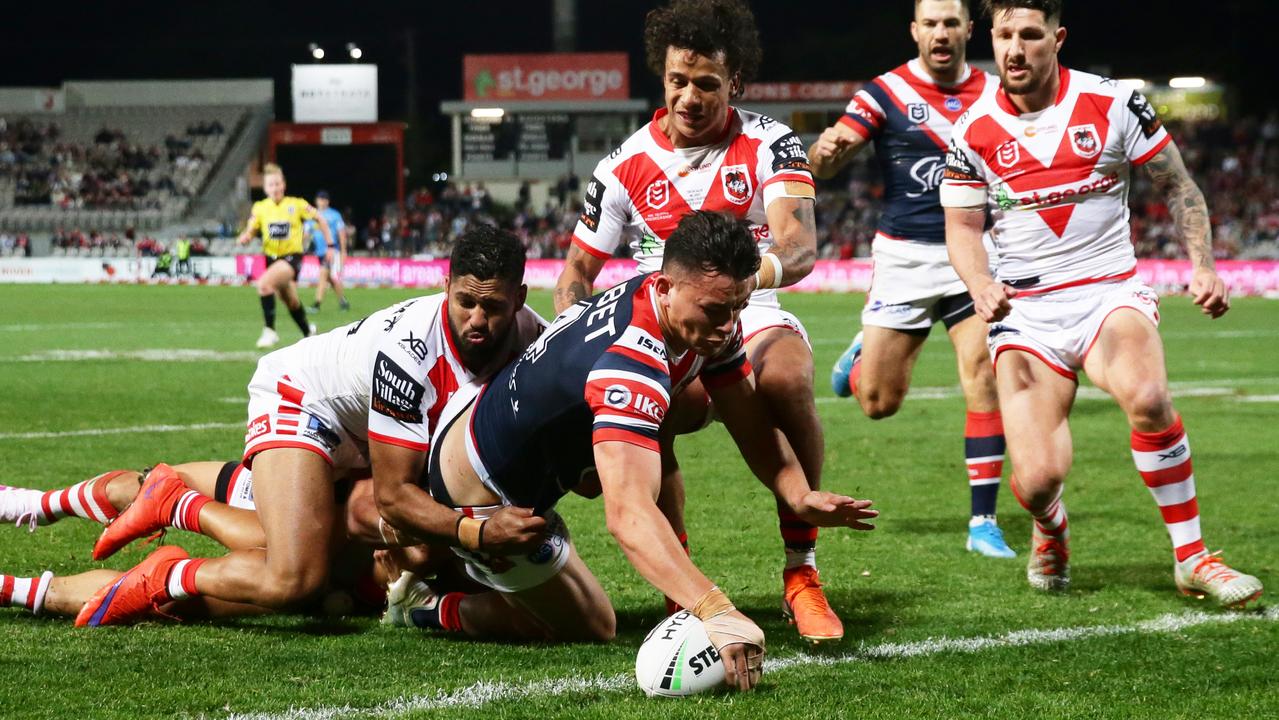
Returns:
(294, 261)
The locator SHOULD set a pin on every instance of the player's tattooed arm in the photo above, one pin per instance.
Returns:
(1189, 212)
(575, 281)
(792, 222)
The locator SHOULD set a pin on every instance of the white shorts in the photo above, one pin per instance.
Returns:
(513, 573)
(1060, 327)
(913, 286)
(758, 318)
(281, 416)
(334, 266)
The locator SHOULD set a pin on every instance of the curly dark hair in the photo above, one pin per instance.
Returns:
(485, 252)
(712, 242)
(706, 27)
(1050, 8)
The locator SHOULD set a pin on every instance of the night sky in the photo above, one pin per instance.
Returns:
(47, 43)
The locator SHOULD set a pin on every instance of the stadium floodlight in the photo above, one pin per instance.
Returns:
(1134, 83)
(354, 51)
(317, 52)
(1183, 83)
(487, 113)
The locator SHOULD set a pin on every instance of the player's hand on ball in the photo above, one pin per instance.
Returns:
(825, 509)
(993, 302)
(512, 531)
(1210, 292)
(740, 644)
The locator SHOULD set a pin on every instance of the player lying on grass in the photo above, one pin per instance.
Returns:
(211, 498)
(368, 394)
(587, 399)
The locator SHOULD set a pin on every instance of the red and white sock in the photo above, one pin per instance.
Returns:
(1051, 522)
(25, 592)
(181, 581)
(1163, 459)
(186, 511)
(87, 499)
(800, 539)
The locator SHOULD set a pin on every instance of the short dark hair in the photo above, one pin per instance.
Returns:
(712, 242)
(485, 252)
(706, 27)
(964, 3)
(1050, 8)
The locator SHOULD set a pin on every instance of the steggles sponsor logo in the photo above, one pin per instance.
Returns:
(1056, 197)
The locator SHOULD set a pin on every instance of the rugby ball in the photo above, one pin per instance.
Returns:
(677, 659)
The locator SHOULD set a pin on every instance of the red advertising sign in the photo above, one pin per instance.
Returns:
(801, 91)
(548, 76)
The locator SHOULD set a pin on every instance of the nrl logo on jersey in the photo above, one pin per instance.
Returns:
(1008, 154)
(659, 193)
(737, 183)
(1084, 140)
(918, 112)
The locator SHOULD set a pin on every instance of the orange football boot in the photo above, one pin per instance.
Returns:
(805, 606)
(148, 515)
(136, 594)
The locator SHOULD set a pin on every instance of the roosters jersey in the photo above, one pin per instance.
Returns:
(281, 224)
(387, 377)
(646, 186)
(1055, 182)
(909, 116)
(602, 372)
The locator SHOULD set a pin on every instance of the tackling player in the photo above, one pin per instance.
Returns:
(908, 113)
(331, 257)
(368, 394)
(279, 220)
(699, 152)
(1048, 159)
(587, 400)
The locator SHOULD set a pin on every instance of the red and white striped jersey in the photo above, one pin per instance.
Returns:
(387, 377)
(1055, 182)
(646, 186)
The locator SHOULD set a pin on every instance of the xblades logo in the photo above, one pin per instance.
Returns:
(1175, 453)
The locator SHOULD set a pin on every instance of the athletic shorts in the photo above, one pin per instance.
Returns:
(281, 416)
(513, 573)
(758, 318)
(334, 266)
(294, 261)
(913, 286)
(1060, 327)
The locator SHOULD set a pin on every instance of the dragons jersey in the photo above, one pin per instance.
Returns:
(909, 116)
(387, 377)
(602, 372)
(645, 186)
(1055, 182)
(281, 224)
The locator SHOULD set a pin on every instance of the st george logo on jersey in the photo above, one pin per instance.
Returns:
(737, 183)
(659, 193)
(1084, 140)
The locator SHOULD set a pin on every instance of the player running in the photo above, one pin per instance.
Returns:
(331, 257)
(368, 394)
(585, 401)
(1048, 157)
(908, 114)
(699, 152)
(279, 220)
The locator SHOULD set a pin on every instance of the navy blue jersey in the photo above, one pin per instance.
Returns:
(909, 118)
(600, 373)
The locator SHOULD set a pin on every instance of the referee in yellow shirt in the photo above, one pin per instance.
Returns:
(279, 220)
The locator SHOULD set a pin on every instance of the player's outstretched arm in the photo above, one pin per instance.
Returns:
(793, 224)
(630, 477)
(968, 256)
(1189, 211)
(414, 514)
(578, 277)
(250, 229)
(834, 149)
(770, 457)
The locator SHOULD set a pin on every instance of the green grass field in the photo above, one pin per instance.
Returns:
(73, 358)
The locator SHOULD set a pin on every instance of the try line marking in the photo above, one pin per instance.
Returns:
(119, 431)
(485, 692)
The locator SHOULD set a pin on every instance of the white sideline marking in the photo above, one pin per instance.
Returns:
(119, 431)
(145, 355)
(485, 692)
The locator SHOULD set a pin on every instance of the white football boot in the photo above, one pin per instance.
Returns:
(20, 506)
(1049, 566)
(1206, 575)
(404, 596)
(267, 339)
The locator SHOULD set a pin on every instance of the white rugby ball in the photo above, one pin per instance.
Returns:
(677, 659)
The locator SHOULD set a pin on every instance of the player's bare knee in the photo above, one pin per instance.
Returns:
(1039, 482)
(879, 404)
(284, 589)
(599, 626)
(1149, 406)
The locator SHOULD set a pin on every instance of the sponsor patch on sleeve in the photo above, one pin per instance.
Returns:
(395, 393)
(593, 204)
(959, 167)
(789, 154)
(1146, 117)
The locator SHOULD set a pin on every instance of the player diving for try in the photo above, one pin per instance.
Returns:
(1048, 159)
(700, 152)
(908, 113)
(583, 402)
